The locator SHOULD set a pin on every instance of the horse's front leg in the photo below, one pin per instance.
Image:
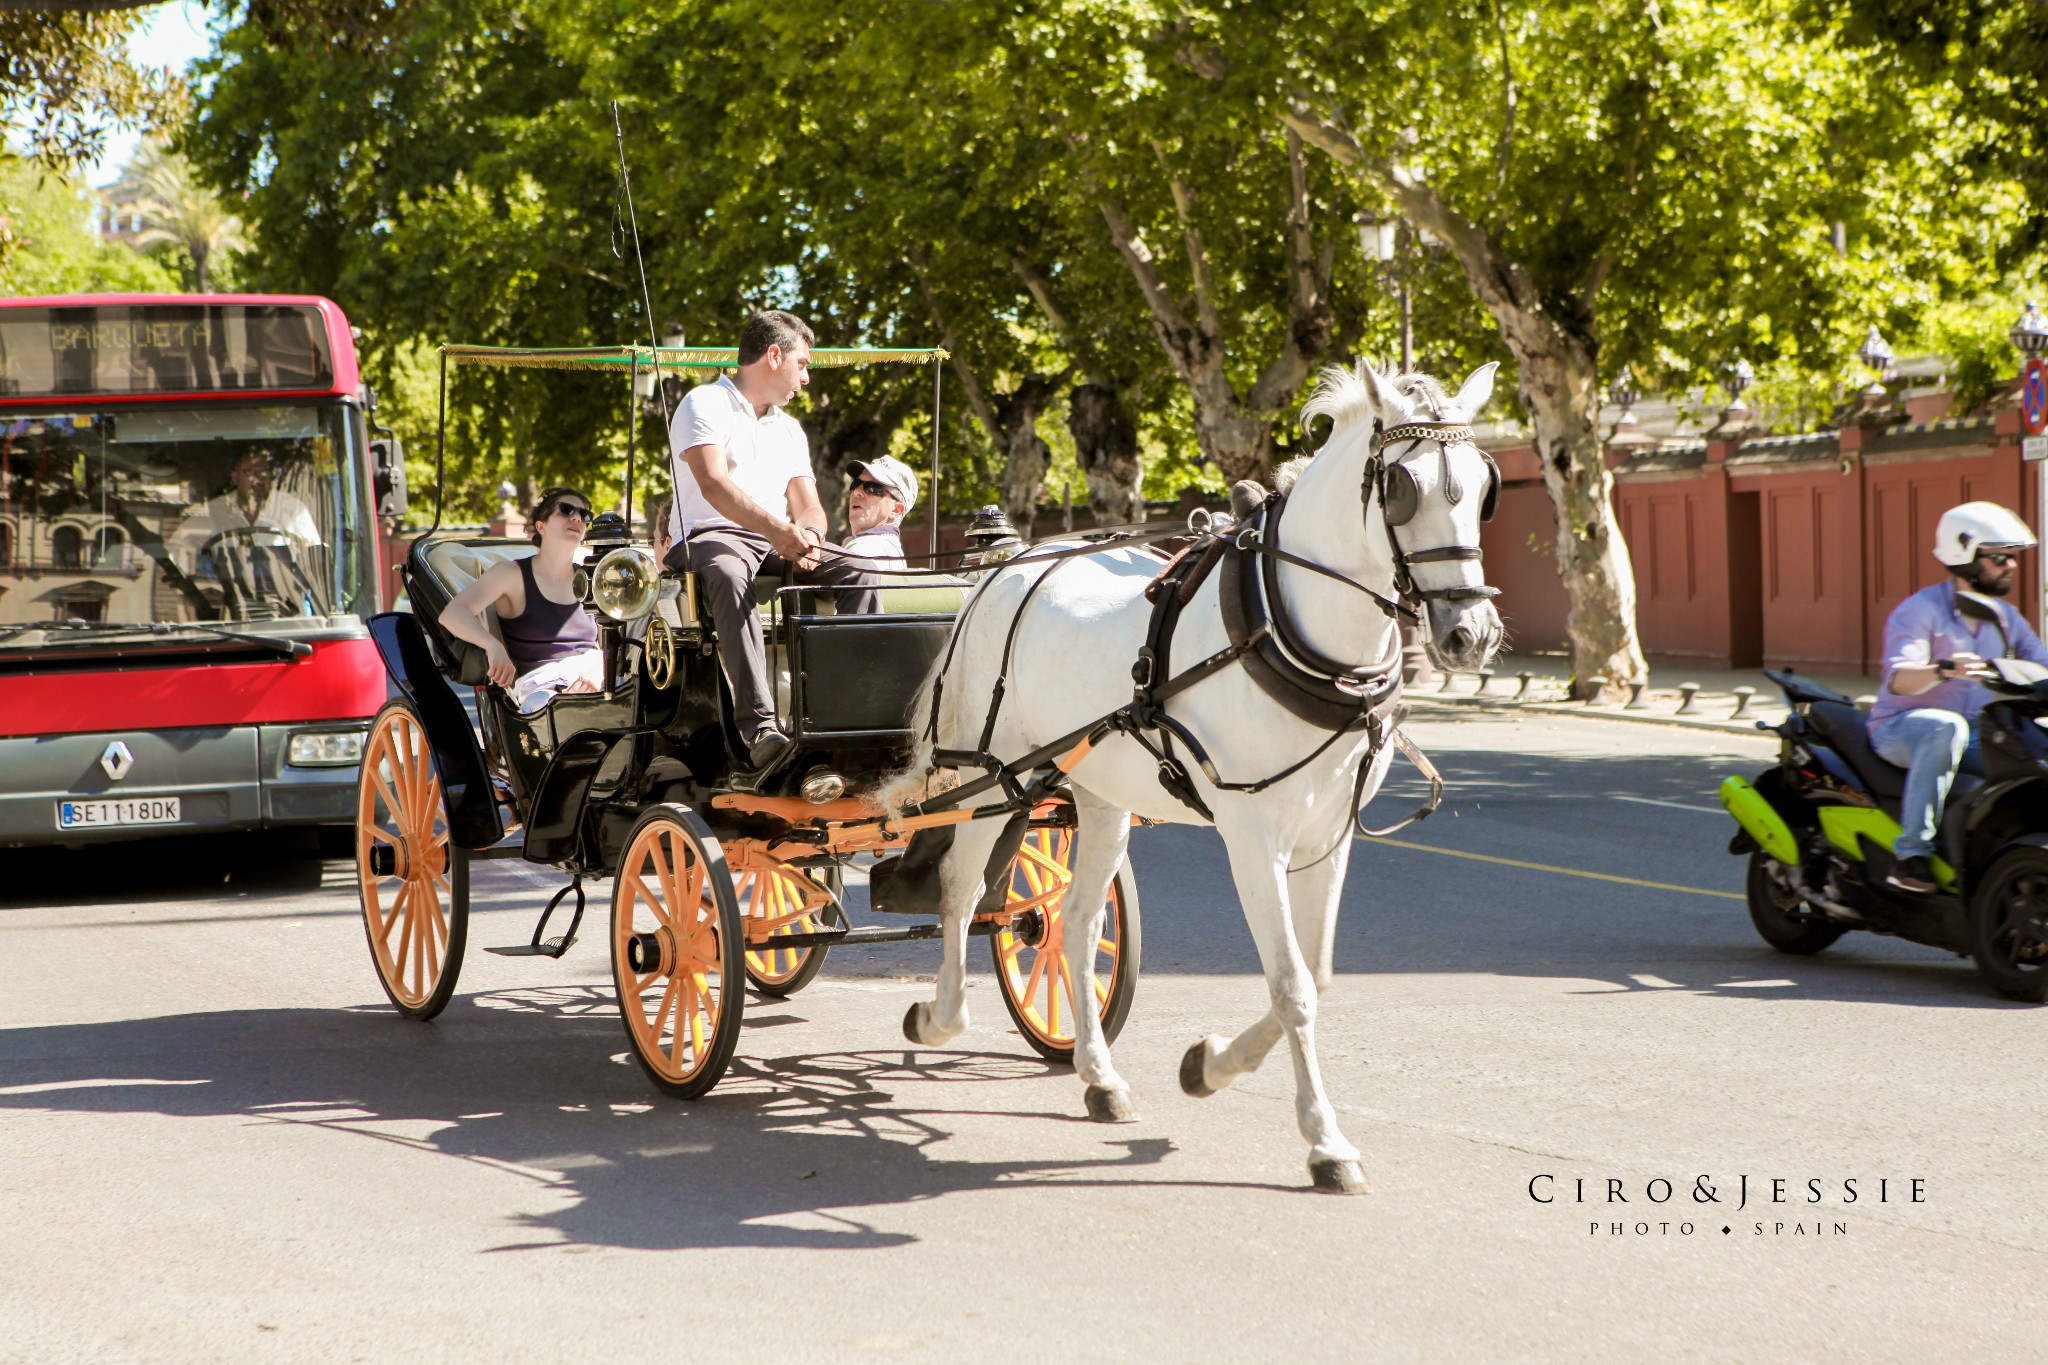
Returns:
(1259, 867)
(1101, 834)
(938, 1021)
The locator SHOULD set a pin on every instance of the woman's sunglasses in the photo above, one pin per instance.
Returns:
(570, 509)
(873, 489)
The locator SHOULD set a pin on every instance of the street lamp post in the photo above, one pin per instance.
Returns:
(1380, 240)
(1877, 357)
(1735, 379)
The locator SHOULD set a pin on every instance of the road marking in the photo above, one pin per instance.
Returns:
(1674, 805)
(1655, 983)
(1561, 871)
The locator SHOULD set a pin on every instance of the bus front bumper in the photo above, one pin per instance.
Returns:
(221, 778)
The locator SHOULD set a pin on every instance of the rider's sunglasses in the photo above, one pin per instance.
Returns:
(1999, 559)
(570, 509)
(873, 489)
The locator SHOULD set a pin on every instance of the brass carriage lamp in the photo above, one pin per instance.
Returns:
(991, 539)
(2029, 336)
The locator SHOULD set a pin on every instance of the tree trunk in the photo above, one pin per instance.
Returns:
(1237, 430)
(1561, 391)
(1025, 455)
(1107, 442)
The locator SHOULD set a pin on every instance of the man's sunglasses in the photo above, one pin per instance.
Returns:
(873, 489)
(1999, 558)
(570, 509)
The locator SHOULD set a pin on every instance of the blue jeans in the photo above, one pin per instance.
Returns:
(1931, 745)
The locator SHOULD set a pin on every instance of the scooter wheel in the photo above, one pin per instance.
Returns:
(2007, 924)
(1781, 914)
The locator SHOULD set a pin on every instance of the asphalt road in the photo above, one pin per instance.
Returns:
(216, 1140)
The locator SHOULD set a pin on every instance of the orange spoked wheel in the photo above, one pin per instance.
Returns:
(778, 900)
(1030, 951)
(414, 879)
(675, 936)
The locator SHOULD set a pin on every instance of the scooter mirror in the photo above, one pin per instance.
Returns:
(1977, 607)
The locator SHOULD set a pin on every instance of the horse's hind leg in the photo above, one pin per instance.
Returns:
(1100, 838)
(938, 1021)
(1260, 870)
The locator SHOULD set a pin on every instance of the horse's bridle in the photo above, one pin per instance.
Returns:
(1400, 508)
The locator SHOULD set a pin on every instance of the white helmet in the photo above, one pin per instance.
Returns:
(1971, 527)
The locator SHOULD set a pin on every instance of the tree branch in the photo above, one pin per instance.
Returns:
(1185, 344)
(977, 397)
(1191, 240)
(1505, 150)
(1080, 346)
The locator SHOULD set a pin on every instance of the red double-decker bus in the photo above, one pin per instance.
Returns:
(188, 549)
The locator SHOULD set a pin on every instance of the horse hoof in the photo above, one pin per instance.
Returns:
(1332, 1176)
(1193, 1078)
(910, 1024)
(1110, 1106)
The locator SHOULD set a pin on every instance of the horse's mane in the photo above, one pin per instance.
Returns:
(1342, 396)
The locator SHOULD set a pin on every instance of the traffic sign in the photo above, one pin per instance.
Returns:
(2034, 395)
(2034, 447)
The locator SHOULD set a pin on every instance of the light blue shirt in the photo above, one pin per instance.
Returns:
(1926, 627)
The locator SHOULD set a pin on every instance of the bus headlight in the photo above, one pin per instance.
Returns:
(325, 749)
(626, 583)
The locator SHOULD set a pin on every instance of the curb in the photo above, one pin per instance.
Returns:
(1748, 725)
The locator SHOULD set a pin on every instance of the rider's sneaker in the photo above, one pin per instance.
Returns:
(1911, 874)
(768, 746)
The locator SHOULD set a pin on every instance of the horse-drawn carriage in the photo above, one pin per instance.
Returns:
(723, 878)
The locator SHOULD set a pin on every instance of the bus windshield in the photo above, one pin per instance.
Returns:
(114, 516)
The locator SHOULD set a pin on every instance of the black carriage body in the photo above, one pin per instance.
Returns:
(578, 772)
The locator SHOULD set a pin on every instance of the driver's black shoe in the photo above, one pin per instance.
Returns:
(1911, 874)
(768, 746)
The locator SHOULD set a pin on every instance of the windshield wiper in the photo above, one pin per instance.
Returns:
(295, 649)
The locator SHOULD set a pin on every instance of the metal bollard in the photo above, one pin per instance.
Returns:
(1687, 692)
(1448, 678)
(1527, 678)
(1635, 697)
(1742, 696)
(1485, 677)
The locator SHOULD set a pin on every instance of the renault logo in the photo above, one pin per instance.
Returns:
(117, 760)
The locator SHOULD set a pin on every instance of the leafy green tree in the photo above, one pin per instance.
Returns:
(67, 76)
(1668, 205)
(181, 213)
(48, 246)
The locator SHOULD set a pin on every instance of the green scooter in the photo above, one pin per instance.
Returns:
(1818, 831)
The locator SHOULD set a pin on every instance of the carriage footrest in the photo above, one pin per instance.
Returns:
(553, 947)
(559, 943)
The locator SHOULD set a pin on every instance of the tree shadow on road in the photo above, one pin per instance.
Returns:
(794, 1151)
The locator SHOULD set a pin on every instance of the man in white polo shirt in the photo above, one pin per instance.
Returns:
(746, 501)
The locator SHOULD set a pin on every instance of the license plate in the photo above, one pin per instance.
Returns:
(146, 810)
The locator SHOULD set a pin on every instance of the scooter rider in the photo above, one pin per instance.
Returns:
(1926, 711)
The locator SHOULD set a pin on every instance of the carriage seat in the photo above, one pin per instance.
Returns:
(439, 570)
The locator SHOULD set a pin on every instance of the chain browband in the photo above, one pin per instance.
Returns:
(1446, 435)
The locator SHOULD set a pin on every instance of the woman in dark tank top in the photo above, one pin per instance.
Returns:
(549, 641)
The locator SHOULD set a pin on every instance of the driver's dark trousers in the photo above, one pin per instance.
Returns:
(727, 560)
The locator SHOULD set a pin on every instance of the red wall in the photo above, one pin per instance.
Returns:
(1520, 549)
(1778, 555)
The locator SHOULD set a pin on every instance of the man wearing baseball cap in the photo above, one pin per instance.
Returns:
(883, 492)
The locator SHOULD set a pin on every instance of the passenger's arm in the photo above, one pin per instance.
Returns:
(463, 617)
(714, 478)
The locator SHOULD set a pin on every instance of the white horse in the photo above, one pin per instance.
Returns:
(1288, 844)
